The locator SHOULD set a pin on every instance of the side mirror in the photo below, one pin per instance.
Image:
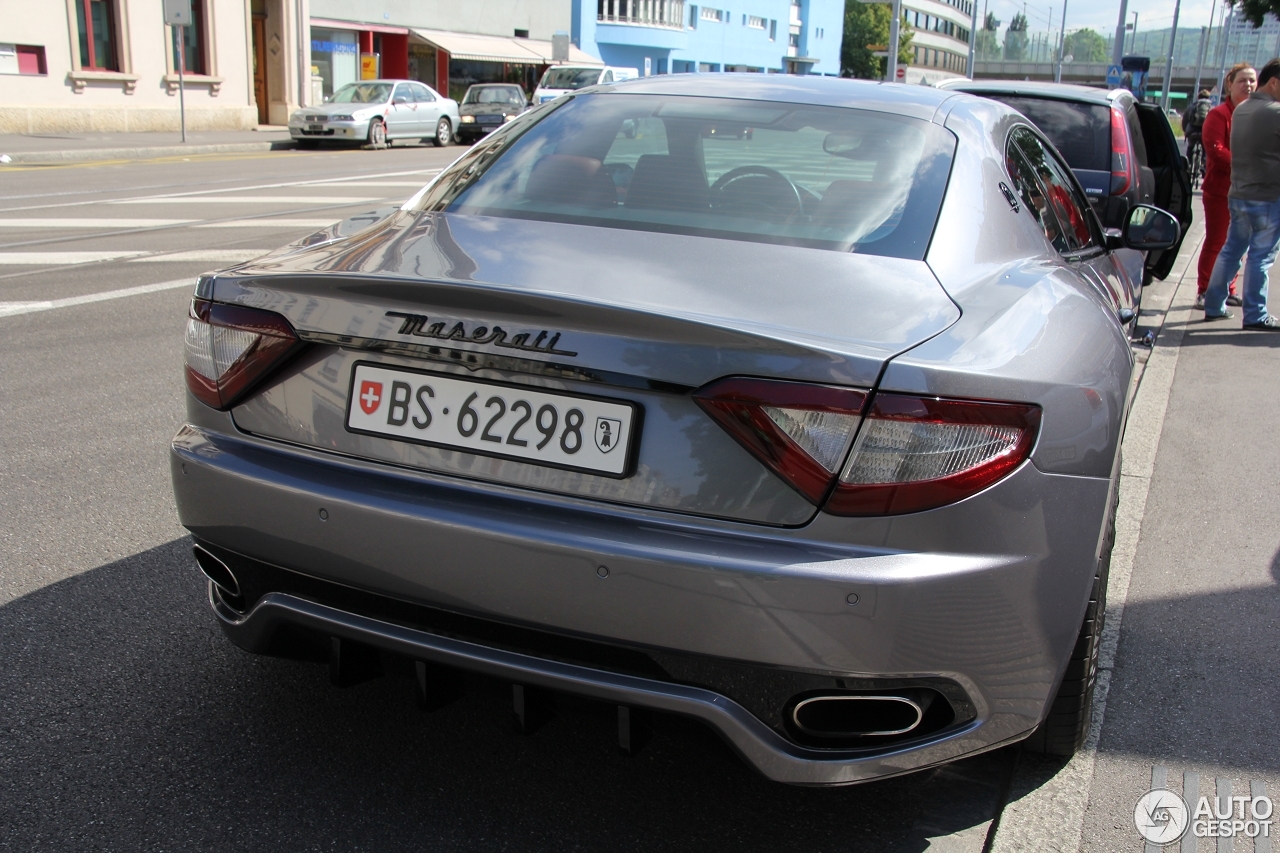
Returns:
(1150, 229)
(399, 102)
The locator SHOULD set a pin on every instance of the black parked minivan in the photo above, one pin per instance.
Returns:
(1123, 152)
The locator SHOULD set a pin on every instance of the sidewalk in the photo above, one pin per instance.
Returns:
(73, 147)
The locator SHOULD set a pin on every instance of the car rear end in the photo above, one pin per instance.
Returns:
(587, 448)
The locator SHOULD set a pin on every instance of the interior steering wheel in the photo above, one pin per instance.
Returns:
(776, 179)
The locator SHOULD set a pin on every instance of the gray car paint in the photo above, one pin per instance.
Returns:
(989, 591)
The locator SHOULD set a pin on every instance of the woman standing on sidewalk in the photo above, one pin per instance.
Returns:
(1239, 85)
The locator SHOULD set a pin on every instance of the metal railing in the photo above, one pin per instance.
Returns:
(642, 13)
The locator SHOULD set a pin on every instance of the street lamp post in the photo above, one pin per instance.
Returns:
(891, 66)
(1133, 45)
(973, 41)
(1117, 47)
(1168, 66)
(1062, 44)
(1204, 40)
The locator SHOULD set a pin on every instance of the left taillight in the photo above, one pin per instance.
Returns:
(230, 348)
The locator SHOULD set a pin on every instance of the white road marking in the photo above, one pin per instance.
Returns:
(414, 184)
(253, 199)
(12, 309)
(61, 258)
(72, 222)
(216, 256)
(271, 223)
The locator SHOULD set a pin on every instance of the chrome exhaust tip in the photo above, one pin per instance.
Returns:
(217, 571)
(843, 716)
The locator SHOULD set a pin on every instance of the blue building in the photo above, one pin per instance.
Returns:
(675, 36)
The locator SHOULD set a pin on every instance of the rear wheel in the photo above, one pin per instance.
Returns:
(444, 133)
(377, 133)
(1064, 730)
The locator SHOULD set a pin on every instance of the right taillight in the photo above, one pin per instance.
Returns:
(230, 348)
(1121, 153)
(917, 453)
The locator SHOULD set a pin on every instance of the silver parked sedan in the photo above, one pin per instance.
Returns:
(377, 112)
(790, 404)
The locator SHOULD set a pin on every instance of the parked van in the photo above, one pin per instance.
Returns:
(565, 78)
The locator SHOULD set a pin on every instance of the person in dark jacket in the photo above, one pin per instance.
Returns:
(1239, 85)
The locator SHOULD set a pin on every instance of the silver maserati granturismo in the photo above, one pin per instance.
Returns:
(789, 404)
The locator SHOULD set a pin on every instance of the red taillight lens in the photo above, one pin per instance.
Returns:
(229, 348)
(1121, 153)
(918, 453)
(801, 432)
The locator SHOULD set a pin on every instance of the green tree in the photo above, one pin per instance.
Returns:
(1254, 10)
(866, 25)
(987, 45)
(1086, 46)
(1015, 39)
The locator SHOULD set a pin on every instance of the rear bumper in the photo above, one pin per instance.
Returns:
(996, 613)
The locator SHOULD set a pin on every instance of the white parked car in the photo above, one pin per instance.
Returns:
(565, 78)
(376, 112)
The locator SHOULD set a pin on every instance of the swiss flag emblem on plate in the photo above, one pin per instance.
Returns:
(370, 396)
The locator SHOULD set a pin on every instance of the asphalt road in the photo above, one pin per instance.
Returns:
(127, 722)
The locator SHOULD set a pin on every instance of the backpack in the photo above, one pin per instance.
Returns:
(1194, 117)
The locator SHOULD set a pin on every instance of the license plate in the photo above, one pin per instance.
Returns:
(490, 119)
(494, 419)
(315, 128)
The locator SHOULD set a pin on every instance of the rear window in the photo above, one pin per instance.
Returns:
(831, 178)
(570, 78)
(1081, 132)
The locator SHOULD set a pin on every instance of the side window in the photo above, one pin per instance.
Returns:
(402, 93)
(421, 93)
(1059, 191)
(1032, 194)
(607, 77)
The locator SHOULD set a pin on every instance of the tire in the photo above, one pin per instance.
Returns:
(1065, 728)
(377, 133)
(444, 133)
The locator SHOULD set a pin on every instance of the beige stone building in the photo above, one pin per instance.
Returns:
(111, 65)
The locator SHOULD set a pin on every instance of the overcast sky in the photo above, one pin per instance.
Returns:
(1101, 14)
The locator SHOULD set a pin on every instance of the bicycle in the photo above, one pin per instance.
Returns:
(1195, 160)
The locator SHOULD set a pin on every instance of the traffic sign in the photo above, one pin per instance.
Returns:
(902, 73)
(177, 13)
(1113, 75)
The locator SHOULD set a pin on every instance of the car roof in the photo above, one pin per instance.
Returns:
(916, 101)
(1035, 89)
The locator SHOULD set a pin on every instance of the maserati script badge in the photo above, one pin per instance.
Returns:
(419, 325)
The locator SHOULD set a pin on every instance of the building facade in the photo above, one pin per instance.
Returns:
(677, 36)
(941, 31)
(111, 65)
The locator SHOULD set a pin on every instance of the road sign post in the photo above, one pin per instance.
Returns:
(177, 14)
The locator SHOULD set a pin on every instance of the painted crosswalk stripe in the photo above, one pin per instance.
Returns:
(254, 199)
(62, 258)
(270, 223)
(213, 256)
(92, 223)
(11, 309)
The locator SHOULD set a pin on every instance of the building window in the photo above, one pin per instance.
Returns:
(718, 15)
(193, 42)
(96, 22)
(755, 22)
(693, 17)
(794, 40)
(25, 59)
(773, 30)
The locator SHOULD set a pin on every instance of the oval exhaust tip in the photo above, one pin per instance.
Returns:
(217, 571)
(856, 716)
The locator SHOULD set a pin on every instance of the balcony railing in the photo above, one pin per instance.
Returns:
(642, 13)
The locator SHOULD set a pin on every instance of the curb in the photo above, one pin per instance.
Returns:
(1045, 808)
(93, 154)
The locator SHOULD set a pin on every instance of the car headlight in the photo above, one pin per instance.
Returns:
(508, 118)
(342, 118)
(468, 119)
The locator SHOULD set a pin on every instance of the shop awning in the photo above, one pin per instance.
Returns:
(357, 26)
(497, 48)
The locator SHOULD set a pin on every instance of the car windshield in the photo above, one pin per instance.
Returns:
(362, 93)
(494, 95)
(824, 177)
(570, 78)
(1080, 132)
